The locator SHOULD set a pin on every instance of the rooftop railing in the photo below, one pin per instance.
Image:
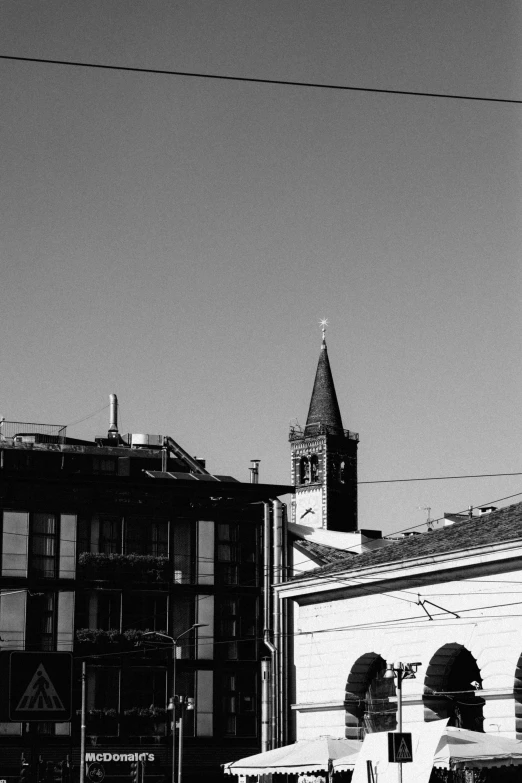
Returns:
(30, 432)
(298, 433)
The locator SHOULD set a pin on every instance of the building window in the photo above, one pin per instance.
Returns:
(237, 554)
(104, 465)
(109, 541)
(103, 700)
(146, 611)
(146, 536)
(239, 704)
(41, 621)
(144, 686)
(237, 628)
(227, 554)
(184, 554)
(99, 609)
(44, 545)
(103, 688)
(100, 533)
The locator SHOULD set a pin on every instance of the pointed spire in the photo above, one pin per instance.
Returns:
(324, 409)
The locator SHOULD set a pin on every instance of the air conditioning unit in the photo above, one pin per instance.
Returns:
(146, 441)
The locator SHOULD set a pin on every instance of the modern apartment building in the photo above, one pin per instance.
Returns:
(105, 542)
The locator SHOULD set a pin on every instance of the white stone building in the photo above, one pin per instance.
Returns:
(449, 599)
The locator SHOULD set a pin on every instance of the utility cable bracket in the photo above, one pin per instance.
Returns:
(422, 603)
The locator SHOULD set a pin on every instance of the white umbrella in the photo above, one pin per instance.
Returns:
(304, 756)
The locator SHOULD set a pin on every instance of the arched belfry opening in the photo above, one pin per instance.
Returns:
(304, 471)
(452, 688)
(314, 469)
(367, 700)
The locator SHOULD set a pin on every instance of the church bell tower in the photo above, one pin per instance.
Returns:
(324, 459)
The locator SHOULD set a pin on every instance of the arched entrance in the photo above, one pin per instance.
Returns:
(450, 688)
(517, 689)
(367, 700)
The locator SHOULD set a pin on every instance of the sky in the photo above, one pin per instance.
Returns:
(176, 240)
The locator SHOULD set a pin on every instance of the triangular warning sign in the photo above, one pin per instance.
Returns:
(40, 695)
(403, 753)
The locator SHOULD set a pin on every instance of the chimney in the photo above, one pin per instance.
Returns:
(113, 417)
(254, 471)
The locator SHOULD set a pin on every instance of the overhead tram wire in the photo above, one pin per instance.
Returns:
(438, 478)
(253, 80)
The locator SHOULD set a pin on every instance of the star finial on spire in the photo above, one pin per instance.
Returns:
(323, 323)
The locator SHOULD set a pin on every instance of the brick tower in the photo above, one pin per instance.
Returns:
(324, 459)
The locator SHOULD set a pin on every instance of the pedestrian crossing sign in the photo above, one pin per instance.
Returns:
(40, 686)
(399, 747)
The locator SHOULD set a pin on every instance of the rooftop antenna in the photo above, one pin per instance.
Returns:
(429, 520)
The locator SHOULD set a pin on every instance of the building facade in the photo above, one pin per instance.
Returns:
(104, 543)
(447, 600)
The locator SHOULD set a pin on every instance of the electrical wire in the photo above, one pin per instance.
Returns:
(439, 478)
(73, 424)
(253, 80)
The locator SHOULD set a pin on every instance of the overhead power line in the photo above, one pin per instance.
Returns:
(253, 80)
(439, 478)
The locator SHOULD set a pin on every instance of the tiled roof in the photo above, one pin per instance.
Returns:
(322, 553)
(324, 408)
(494, 528)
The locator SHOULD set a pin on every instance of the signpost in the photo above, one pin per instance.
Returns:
(40, 686)
(399, 747)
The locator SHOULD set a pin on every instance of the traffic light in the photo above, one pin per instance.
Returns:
(25, 771)
(135, 771)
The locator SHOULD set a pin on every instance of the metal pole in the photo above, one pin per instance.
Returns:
(174, 656)
(83, 724)
(277, 541)
(175, 645)
(399, 704)
(180, 749)
(265, 704)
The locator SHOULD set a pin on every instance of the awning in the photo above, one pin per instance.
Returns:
(304, 756)
(460, 748)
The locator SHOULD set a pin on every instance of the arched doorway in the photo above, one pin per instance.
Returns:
(450, 688)
(367, 701)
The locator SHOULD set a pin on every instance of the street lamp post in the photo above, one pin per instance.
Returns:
(185, 703)
(174, 640)
(400, 671)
